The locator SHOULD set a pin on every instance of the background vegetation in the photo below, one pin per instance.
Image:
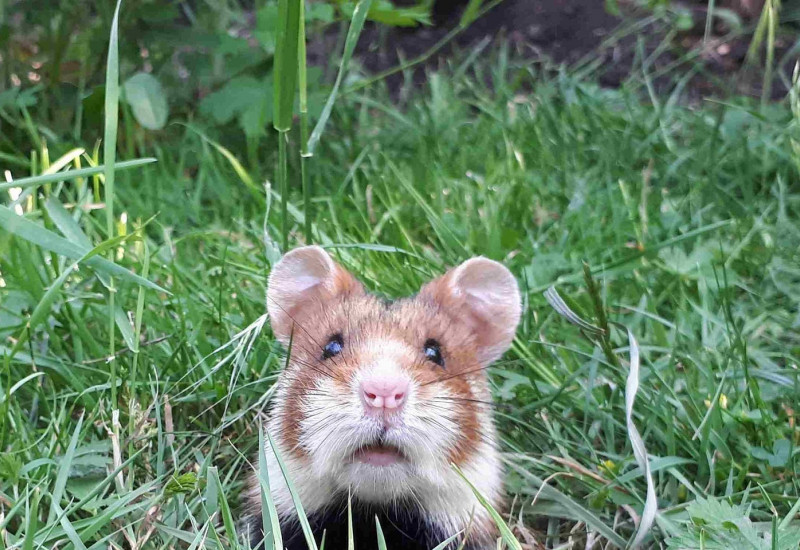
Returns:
(134, 357)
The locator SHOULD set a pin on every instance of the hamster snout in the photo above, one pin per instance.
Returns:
(384, 393)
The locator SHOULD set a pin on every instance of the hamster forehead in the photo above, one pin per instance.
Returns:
(365, 322)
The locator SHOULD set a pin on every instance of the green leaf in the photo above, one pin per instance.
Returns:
(240, 95)
(147, 99)
(180, 484)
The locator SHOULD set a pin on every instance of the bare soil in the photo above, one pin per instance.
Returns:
(568, 31)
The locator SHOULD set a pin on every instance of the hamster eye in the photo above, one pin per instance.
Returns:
(433, 352)
(333, 347)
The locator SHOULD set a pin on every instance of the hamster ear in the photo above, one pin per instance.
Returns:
(304, 279)
(484, 295)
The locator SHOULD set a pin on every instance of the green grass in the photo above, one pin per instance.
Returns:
(687, 219)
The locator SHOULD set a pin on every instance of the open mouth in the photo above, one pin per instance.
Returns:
(378, 454)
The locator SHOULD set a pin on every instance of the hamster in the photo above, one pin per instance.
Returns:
(379, 398)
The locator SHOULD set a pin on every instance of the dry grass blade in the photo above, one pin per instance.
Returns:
(557, 303)
(639, 450)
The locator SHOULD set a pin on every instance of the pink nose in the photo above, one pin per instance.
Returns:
(384, 392)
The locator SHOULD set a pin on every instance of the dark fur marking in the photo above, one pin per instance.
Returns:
(403, 526)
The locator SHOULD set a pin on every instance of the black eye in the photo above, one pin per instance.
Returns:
(333, 347)
(433, 352)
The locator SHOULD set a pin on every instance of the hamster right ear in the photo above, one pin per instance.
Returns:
(304, 278)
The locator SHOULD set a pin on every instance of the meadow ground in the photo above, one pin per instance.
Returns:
(687, 220)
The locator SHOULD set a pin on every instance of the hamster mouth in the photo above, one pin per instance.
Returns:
(379, 454)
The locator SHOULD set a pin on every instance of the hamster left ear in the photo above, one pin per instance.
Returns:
(301, 284)
(483, 294)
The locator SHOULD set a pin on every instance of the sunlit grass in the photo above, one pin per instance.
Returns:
(686, 219)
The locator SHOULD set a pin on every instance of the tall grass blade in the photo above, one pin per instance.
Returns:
(356, 24)
(470, 13)
(225, 509)
(351, 544)
(109, 157)
(64, 466)
(111, 119)
(304, 153)
(283, 185)
(269, 514)
(301, 514)
(285, 72)
(34, 181)
(639, 450)
(442, 545)
(65, 223)
(505, 531)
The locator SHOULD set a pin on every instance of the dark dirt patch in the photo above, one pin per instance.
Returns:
(567, 31)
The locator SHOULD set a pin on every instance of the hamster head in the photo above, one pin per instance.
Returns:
(379, 398)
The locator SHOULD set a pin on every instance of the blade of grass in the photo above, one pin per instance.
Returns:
(304, 152)
(225, 509)
(284, 83)
(286, 65)
(379, 534)
(356, 24)
(351, 543)
(109, 157)
(301, 514)
(34, 181)
(269, 514)
(111, 119)
(442, 545)
(505, 532)
(639, 450)
(63, 471)
(66, 224)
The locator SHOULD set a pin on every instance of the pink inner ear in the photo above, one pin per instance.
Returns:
(487, 296)
(305, 282)
(302, 279)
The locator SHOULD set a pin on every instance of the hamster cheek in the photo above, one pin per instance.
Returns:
(431, 427)
(331, 428)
